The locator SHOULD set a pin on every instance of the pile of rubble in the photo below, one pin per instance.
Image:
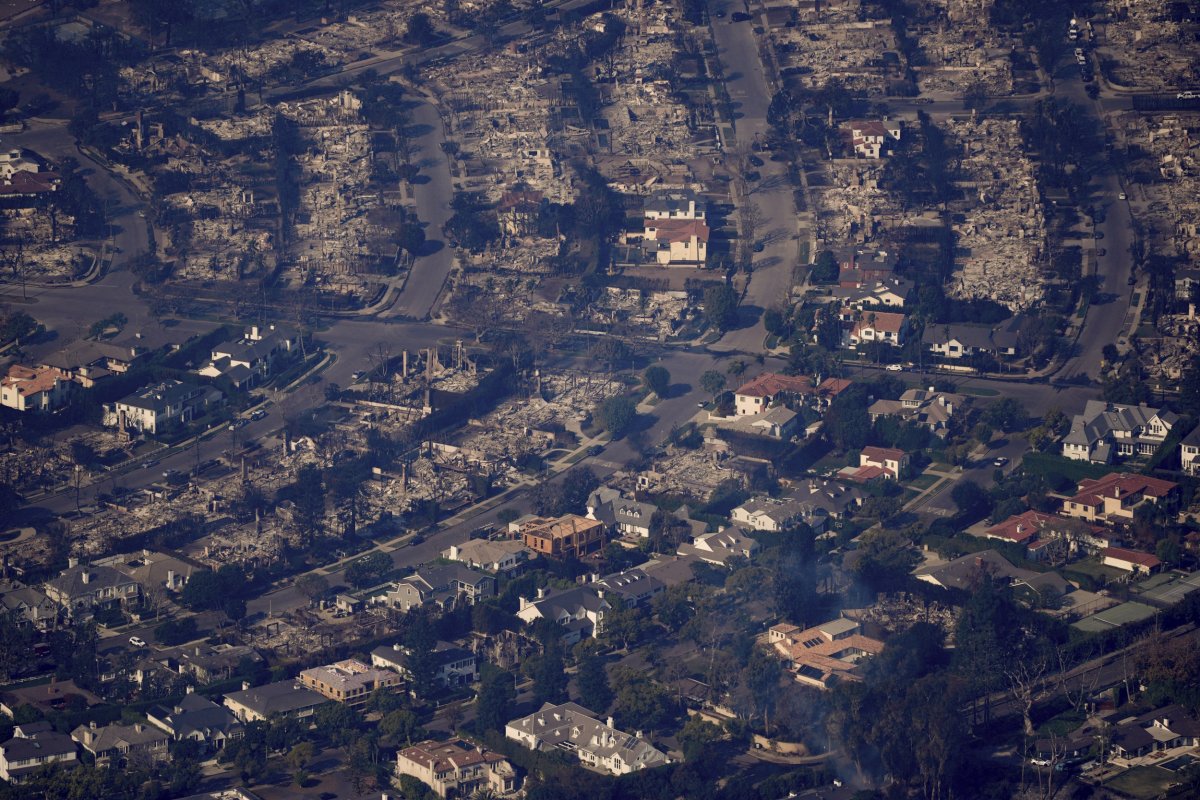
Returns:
(694, 473)
(830, 42)
(503, 114)
(654, 313)
(1144, 48)
(29, 467)
(852, 207)
(962, 50)
(1171, 149)
(644, 115)
(897, 613)
(1002, 231)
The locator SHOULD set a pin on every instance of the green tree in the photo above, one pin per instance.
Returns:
(592, 683)
(720, 307)
(497, 693)
(697, 733)
(420, 29)
(548, 673)
(971, 500)
(712, 382)
(401, 726)
(617, 415)
(884, 559)
(657, 379)
(624, 624)
(420, 641)
(1008, 415)
(641, 704)
(368, 570)
(825, 268)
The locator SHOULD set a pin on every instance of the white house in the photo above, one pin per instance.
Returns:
(1107, 431)
(34, 388)
(1189, 453)
(572, 728)
(870, 137)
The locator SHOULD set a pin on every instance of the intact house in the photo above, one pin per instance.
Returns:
(758, 395)
(1105, 432)
(569, 536)
(925, 407)
(150, 568)
(720, 548)
(964, 340)
(280, 699)
(871, 138)
(33, 747)
(825, 654)
(1038, 531)
(441, 586)
(453, 665)
(1156, 731)
(572, 728)
(119, 745)
(197, 719)
(775, 515)
(1116, 497)
(891, 292)
(87, 362)
(34, 388)
(504, 556)
(875, 326)
(877, 463)
(252, 358)
(81, 590)
(350, 682)
(1189, 453)
(29, 606)
(156, 407)
(579, 610)
(1134, 562)
(634, 587)
(675, 227)
(628, 518)
(673, 204)
(965, 572)
(457, 769)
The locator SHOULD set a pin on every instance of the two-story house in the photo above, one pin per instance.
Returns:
(197, 719)
(120, 745)
(572, 728)
(1106, 432)
(876, 326)
(759, 394)
(80, 590)
(444, 586)
(1116, 497)
(280, 699)
(34, 746)
(457, 769)
(453, 665)
(1189, 453)
(871, 138)
(579, 610)
(504, 556)
(925, 407)
(350, 681)
(34, 388)
(153, 408)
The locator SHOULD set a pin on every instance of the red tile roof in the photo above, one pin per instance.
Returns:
(1132, 556)
(1116, 484)
(679, 230)
(884, 321)
(866, 473)
(25, 182)
(770, 384)
(883, 453)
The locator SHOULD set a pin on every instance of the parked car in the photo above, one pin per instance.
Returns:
(999, 461)
(258, 414)
(137, 641)
(756, 161)
(895, 367)
(739, 16)
(595, 450)
(151, 463)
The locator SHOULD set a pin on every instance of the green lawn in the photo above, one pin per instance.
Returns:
(1142, 782)
(922, 482)
(1054, 466)
(1096, 570)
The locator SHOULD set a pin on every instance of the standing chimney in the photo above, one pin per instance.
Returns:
(404, 364)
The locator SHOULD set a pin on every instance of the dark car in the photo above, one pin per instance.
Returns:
(756, 161)
(753, 176)
(739, 16)
(595, 450)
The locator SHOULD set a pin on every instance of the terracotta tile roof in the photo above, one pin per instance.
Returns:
(1115, 484)
(883, 453)
(29, 381)
(770, 384)
(679, 230)
(1132, 556)
(884, 321)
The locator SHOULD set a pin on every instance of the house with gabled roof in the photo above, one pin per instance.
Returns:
(876, 326)
(1135, 562)
(721, 547)
(758, 394)
(196, 718)
(571, 728)
(579, 610)
(441, 585)
(870, 138)
(1189, 453)
(33, 747)
(1106, 432)
(34, 388)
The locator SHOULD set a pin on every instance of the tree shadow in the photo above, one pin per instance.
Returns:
(677, 390)
(748, 316)
(429, 247)
(419, 180)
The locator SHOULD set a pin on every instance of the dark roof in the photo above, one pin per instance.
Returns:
(40, 745)
(276, 698)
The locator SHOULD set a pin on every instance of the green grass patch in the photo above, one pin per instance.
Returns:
(577, 457)
(922, 482)
(1142, 782)
(977, 391)
(1062, 724)
(1096, 570)
(1054, 467)
(804, 251)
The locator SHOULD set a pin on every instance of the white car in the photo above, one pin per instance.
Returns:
(137, 641)
(1121, 196)
(895, 367)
